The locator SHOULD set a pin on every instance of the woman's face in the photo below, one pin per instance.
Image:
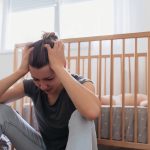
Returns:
(45, 79)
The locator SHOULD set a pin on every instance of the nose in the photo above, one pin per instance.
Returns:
(43, 85)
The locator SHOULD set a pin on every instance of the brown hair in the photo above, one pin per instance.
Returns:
(39, 55)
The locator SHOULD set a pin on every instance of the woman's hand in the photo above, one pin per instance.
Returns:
(24, 67)
(56, 55)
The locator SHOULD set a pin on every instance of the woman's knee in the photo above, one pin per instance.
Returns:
(78, 121)
(5, 108)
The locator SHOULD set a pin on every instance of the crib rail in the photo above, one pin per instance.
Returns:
(98, 58)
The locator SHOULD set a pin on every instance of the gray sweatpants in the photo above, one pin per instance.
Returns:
(82, 135)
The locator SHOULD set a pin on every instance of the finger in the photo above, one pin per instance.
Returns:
(47, 46)
(56, 44)
(29, 45)
(30, 49)
(26, 52)
(59, 44)
(62, 44)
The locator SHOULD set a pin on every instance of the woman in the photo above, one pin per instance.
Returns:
(65, 104)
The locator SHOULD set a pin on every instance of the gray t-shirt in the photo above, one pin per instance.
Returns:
(52, 120)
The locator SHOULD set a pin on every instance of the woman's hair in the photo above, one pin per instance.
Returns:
(39, 55)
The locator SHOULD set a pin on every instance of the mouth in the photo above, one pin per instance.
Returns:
(48, 90)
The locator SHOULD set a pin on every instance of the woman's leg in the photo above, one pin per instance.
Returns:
(82, 134)
(19, 132)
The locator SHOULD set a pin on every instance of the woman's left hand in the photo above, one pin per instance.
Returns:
(56, 55)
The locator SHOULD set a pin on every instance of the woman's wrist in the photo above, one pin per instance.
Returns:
(57, 69)
(21, 72)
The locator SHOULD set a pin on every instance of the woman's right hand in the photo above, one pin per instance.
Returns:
(24, 67)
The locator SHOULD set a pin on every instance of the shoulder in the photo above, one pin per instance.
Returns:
(87, 83)
(29, 87)
(27, 83)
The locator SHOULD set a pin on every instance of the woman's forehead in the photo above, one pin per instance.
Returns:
(43, 72)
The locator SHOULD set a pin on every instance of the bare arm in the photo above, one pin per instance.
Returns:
(10, 94)
(82, 96)
(13, 94)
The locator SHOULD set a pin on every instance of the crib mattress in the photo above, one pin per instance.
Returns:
(116, 121)
(129, 123)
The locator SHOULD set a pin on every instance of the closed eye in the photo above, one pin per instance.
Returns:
(48, 79)
(45, 79)
(35, 79)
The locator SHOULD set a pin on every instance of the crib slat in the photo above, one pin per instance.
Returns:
(99, 86)
(135, 91)
(97, 76)
(148, 87)
(129, 74)
(69, 56)
(146, 73)
(111, 86)
(105, 68)
(78, 59)
(99, 71)
(123, 88)
(83, 67)
(89, 60)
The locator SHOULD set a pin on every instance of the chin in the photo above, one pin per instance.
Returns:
(49, 91)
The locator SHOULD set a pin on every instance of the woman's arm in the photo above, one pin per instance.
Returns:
(11, 79)
(82, 95)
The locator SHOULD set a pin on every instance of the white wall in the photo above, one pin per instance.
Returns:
(131, 16)
(140, 15)
(6, 64)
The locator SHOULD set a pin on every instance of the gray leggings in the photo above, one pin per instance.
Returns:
(82, 134)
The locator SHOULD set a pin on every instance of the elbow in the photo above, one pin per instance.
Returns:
(93, 114)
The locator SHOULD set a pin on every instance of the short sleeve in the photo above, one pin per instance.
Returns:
(81, 79)
(29, 88)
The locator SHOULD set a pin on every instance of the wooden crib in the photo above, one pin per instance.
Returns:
(117, 64)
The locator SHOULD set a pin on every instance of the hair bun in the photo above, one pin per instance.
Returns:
(52, 33)
(49, 36)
